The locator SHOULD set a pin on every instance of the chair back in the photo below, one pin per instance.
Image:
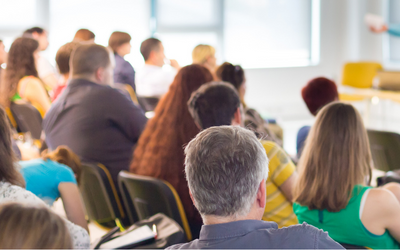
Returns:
(360, 74)
(385, 149)
(126, 88)
(148, 103)
(27, 118)
(149, 196)
(349, 246)
(100, 195)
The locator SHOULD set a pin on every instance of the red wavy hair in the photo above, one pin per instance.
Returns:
(159, 152)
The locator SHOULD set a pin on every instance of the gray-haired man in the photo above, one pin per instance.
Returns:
(226, 169)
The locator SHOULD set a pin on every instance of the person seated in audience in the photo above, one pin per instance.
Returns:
(95, 121)
(152, 80)
(32, 227)
(3, 56)
(120, 43)
(20, 81)
(62, 58)
(252, 119)
(159, 152)
(316, 94)
(53, 176)
(226, 168)
(12, 184)
(333, 192)
(84, 36)
(46, 71)
(217, 104)
(205, 55)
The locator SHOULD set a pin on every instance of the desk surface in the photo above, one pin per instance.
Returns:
(369, 93)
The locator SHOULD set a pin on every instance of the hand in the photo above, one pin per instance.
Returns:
(174, 64)
(378, 30)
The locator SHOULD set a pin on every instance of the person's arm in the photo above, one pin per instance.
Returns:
(72, 202)
(394, 29)
(36, 94)
(129, 75)
(287, 187)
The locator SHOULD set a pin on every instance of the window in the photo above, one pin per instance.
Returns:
(391, 47)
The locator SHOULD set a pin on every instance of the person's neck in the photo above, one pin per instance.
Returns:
(90, 78)
(211, 219)
(148, 62)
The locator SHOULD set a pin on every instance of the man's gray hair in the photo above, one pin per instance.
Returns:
(224, 167)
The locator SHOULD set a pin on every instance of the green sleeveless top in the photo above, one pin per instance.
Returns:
(16, 97)
(345, 226)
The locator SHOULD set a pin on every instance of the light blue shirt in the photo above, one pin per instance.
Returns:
(394, 29)
(43, 177)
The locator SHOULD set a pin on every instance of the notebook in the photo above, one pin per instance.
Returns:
(139, 236)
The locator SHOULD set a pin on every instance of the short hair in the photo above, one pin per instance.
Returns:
(118, 38)
(29, 32)
(234, 74)
(63, 56)
(32, 227)
(87, 58)
(318, 92)
(224, 167)
(83, 35)
(202, 52)
(149, 45)
(214, 104)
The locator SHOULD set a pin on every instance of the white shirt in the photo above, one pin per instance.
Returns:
(12, 193)
(153, 81)
(44, 68)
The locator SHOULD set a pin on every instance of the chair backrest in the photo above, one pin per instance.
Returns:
(100, 195)
(128, 90)
(150, 196)
(360, 74)
(148, 103)
(349, 246)
(385, 149)
(27, 118)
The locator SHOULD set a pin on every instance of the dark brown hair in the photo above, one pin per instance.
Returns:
(64, 155)
(159, 152)
(87, 58)
(233, 74)
(29, 32)
(83, 35)
(336, 157)
(32, 227)
(8, 173)
(20, 63)
(318, 92)
(118, 38)
(63, 56)
(149, 45)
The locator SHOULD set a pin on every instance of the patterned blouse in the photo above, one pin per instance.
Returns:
(12, 193)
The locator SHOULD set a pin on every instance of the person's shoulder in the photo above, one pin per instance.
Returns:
(188, 245)
(383, 200)
(13, 193)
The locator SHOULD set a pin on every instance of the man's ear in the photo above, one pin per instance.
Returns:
(262, 194)
(191, 197)
(237, 117)
(35, 35)
(99, 75)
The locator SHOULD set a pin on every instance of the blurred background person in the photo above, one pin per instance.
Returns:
(84, 35)
(205, 55)
(3, 56)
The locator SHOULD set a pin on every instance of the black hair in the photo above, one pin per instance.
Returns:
(33, 30)
(234, 74)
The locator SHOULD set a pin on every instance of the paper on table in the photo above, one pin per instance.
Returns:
(140, 234)
(374, 21)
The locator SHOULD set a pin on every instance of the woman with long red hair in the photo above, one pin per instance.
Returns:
(159, 152)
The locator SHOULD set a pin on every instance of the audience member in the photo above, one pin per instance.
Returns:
(12, 184)
(55, 176)
(217, 104)
(252, 119)
(316, 94)
(205, 55)
(96, 121)
(120, 43)
(21, 80)
(45, 70)
(62, 58)
(152, 80)
(332, 193)
(3, 54)
(160, 148)
(32, 227)
(84, 35)
(226, 169)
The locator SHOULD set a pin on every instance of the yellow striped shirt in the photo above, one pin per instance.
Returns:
(278, 208)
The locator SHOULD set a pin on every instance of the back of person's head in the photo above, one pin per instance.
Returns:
(214, 104)
(118, 38)
(86, 59)
(228, 72)
(8, 172)
(83, 35)
(224, 168)
(63, 56)
(64, 155)
(20, 63)
(29, 227)
(29, 32)
(149, 45)
(202, 52)
(318, 92)
(336, 157)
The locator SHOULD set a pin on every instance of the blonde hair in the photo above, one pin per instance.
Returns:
(336, 157)
(29, 227)
(201, 53)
